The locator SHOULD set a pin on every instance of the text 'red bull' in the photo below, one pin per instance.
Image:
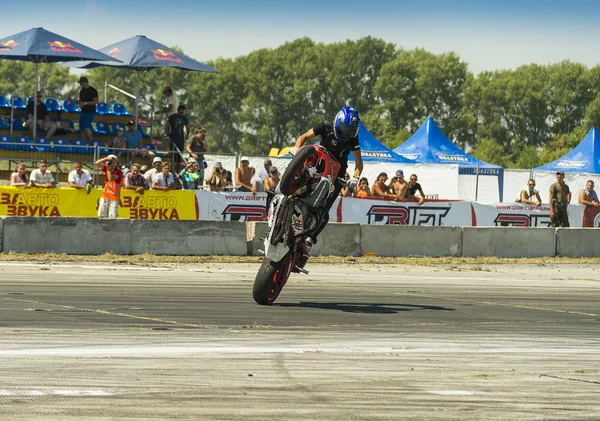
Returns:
(63, 47)
(113, 52)
(7, 45)
(166, 55)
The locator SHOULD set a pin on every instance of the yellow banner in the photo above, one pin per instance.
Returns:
(172, 205)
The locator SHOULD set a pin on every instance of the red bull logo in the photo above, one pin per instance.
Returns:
(8, 45)
(113, 52)
(63, 47)
(166, 55)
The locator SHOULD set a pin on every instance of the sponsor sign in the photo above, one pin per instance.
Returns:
(158, 205)
(166, 55)
(63, 47)
(518, 215)
(591, 217)
(239, 207)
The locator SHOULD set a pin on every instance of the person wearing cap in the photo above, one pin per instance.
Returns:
(119, 143)
(560, 197)
(43, 117)
(398, 185)
(527, 193)
(156, 168)
(190, 176)
(264, 173)
(380, 189)
(113, 181)
(177, 130)
(88, 98)
(216, 181)
(243, 175)
(172, 102)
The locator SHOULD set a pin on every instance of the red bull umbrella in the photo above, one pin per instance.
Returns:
(41, 46)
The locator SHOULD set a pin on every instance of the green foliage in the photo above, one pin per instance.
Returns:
(515, 118)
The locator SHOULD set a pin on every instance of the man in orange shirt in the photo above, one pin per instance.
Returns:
(113, 176)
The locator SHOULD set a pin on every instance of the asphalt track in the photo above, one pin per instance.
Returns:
(506, 342)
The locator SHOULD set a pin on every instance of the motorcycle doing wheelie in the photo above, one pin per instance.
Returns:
(296, 210)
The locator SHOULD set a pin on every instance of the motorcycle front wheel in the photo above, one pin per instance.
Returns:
(294, 175)
(270, 279)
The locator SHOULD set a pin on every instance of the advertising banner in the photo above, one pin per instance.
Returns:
(158, 205)
(243, 207)
(591, 217)
(385, 212)
(518, 215)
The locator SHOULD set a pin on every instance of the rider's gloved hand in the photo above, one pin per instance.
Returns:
(352, 183)
(293, 151)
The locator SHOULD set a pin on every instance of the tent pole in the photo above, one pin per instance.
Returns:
(12, 113)
(477, 182)
(137, 100)
(35, 89)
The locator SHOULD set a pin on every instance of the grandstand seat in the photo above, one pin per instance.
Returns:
(52, 104)
(102, 149)
(18, 101)
(43, 145)
(103, 108)
(70, 106)
(79, 146)
(3, 103)
(3, 142)
(102, 127)
(120, 109)
(62, 146)
(18, 123)
(24, 144)
(117, 125)
(69, 122)
(142, 132)
(150, 147)
(4, 124)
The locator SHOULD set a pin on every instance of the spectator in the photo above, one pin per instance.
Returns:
(413, 187)
(197, 145)
(133, 138)
(172, 102)
(119, 143)
(156, 168)
(65, 128)
(113, 181)
(19, 178)
(88, 98)
(362, 190)
(228, 178)
(243, 175)
(265, 173)
(216, 181)
(399, 185)
(380, 189)
(190, 176)
(163, 180)
(588, 195)
(560, 197)
(528, 192)
(134, 180)
(80, 178)
(177, 130)
(43, 118)
(273, 180)
(256, 182)
(345, 191)
(42, 177)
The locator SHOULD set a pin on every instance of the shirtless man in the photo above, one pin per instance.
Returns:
(243, 175)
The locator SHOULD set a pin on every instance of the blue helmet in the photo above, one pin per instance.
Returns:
(345, 125)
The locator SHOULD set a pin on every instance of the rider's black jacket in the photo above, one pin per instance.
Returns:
(339, 149)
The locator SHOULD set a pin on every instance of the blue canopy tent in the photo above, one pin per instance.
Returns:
(429, 145)
(140, 53)
(41, 46)
(585, 158)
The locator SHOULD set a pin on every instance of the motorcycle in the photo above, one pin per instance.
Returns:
(294, 211)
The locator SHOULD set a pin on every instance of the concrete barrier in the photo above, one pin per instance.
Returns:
(408, 240)
(508, 242)
(255, 231)
(578, 242)
(65, 235)
(188, 237)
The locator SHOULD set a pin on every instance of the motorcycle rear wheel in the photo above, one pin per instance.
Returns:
(270, 279)
(292, 177)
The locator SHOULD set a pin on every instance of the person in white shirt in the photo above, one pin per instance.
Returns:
(42, 177)
(156, 169)
(172, 102)
(163, 180)
(264, 174)
(80, 178)
(256, 182)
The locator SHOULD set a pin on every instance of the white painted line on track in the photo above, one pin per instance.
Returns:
(4, 392)
(457, 392)
(62, 266)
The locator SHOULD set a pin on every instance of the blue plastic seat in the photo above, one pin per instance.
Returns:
(3, 102)
(103, 108)
(43, 145)
(120, 109)
(150, 147)
(102, 127)
(24, 144)
(18, 123)
(142, 132)
(70, 106)
(62, 146)
(18, 101)
(79, 146)
(4, 140)
(116, 125)
(4, 124)
(52, 104)
(29, 99)
(102, 149)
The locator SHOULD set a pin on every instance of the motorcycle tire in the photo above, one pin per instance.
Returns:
(292, 177)
(270, 280)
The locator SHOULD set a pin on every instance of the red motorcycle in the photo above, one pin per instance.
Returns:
(295, 210)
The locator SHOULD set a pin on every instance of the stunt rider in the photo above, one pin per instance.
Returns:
(339, 138)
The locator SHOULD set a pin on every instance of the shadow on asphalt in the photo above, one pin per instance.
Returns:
(365, 308)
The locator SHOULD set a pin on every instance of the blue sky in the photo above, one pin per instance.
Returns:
(488, 35)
